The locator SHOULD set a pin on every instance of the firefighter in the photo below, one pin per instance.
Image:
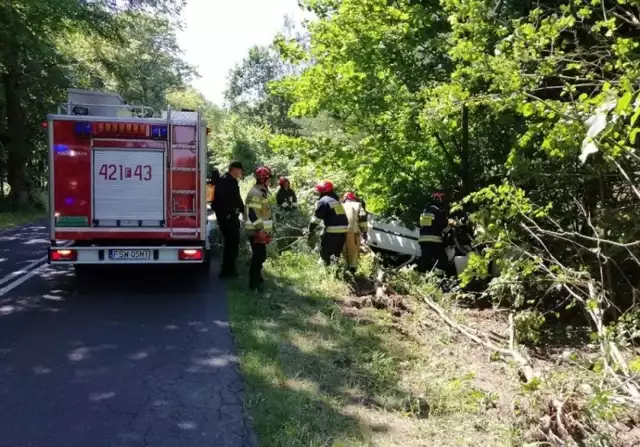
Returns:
(286, 197)
(433, 222)
(258, 225)
(228, 205)
(329, 210)
(358, 227)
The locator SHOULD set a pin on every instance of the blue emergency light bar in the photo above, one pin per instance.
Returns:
(83, 129)
(159, 132)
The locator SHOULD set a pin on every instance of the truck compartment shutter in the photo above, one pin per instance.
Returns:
(128, 187)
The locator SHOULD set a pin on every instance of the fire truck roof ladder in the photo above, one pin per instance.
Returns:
(101, 105)
(194, 146)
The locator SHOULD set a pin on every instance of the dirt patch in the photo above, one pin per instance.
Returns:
(628, 433)
(396, 305)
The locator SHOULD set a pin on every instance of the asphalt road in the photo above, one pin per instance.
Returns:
(140, 357)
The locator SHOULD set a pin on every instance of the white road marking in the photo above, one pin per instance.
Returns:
(9, 287)
(25, 269)
(22, 271)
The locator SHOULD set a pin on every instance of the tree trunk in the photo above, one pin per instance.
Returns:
(466, 169)
(18, 148)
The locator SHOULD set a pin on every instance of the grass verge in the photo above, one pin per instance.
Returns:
(324, 369)
(10, 219)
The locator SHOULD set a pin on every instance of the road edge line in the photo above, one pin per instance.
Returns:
(24, 278)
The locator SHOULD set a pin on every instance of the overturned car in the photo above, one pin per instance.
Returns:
(400, 245)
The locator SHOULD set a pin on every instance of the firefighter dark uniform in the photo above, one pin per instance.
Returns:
(258, 225)
(286, 197)
(433, 222)
(228, 205)
(330, 211)
(358, 227)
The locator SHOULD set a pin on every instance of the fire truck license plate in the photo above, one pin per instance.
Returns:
(129, 255)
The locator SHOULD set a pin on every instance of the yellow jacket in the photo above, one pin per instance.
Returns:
(257, 210)
(357, 216)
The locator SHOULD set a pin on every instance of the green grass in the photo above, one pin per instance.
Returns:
(317, 377)
(12, 215)
(10, 219)
(303, 361)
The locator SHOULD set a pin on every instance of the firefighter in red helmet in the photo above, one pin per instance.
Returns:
(433, 222)
(330, 211)
(358, 227)
(258, 225)
(286, 197)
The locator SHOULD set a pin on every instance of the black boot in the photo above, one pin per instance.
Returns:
(256, 285)
(228, 272)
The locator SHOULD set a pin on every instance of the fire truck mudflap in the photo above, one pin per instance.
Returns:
(126, 189)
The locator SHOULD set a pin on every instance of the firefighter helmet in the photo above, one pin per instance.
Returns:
(438, 196)
(262, 174)
(283, 181)
(349, 196)
(323, 187)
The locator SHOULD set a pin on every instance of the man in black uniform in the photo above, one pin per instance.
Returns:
(286, 197)
(329, 210)
(228, 205)
(433, 222)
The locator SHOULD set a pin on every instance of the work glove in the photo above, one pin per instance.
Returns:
(365, 237)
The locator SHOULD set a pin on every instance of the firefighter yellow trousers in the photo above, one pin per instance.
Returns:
(351, 250)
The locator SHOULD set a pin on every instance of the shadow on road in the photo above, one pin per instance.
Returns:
(19, 247)
(310, 370)
(125, 357)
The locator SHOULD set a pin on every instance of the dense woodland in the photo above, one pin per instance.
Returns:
(525, 111)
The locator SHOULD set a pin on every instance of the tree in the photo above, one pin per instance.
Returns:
(34, 71)
(530, 109)
(249, 90)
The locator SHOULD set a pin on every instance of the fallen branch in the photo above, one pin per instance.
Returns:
(524, 364)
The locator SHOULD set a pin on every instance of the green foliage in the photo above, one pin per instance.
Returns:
(48, 46)
(250, 92)
(527, 326)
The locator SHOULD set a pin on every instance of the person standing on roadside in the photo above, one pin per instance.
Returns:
(286, 197)
(330, 211)
(358, 227)
(228, 205)
(433, 222)
(258, 225)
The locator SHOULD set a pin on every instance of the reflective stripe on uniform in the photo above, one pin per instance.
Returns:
(337, 208)
(255, 206)
(426, 219)
(255, 224)
(315, 220)
(430, 238)
(266, 225)
(336, 229)
(364, 225)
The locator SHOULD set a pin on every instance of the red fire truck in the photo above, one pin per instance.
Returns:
(126, 186)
